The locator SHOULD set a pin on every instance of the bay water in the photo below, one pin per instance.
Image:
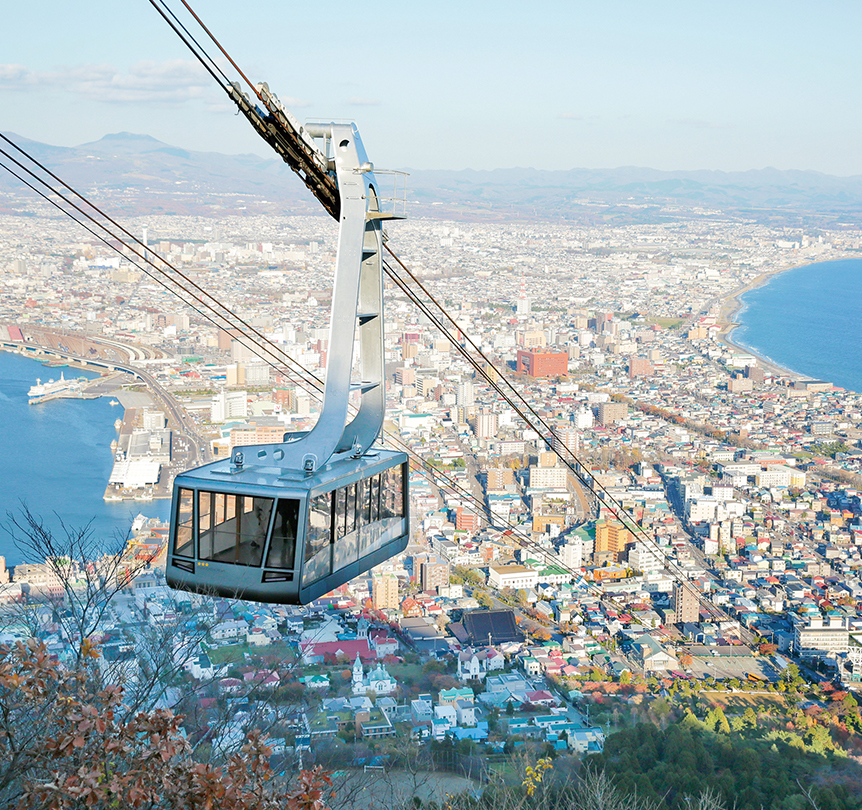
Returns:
(808, 320)
(56, 458)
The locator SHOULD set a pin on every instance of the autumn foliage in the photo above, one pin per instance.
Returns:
(67, 741)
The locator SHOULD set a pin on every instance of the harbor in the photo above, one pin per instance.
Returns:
(78, 388)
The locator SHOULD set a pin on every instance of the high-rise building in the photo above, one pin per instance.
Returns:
(686, 603)
(536, 363)
(610, 412)
(566, 439)
(640, 367)
(435, 574)
(384, 591)
(466, 394)
(523, 306)
(611, 539)
(485, 424)
(499, 478)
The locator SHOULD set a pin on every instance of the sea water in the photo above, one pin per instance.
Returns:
(808, 320)
(56, 459)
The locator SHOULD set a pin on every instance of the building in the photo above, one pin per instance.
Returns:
(821, 638)
(435, 574)
(640, 367)
(384, 591)
(378, 680)
(229, 405)
(572, 553)
(651, 656)
(512, 576)
(611, 539)
(535, 363)
(686, 603)
(499, 478)
(465, 396)
(610, 412)
(154, 420)
(486, 627)
(466, 521)
(566, 442)
(262, 431)
(485, 424)
(645, 559)
(550, 477)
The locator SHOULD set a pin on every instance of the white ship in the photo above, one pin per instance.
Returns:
(42, 392)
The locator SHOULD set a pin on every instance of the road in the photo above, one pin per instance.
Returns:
(192, 447)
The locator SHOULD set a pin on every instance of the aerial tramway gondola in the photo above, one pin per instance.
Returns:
(290, 522)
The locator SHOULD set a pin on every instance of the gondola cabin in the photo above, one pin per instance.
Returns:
(291, 521)
(284, 536)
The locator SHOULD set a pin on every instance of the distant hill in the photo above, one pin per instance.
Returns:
(141, 173)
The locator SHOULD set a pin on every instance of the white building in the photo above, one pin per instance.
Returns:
(821, 638)
(548, 477)
(646, 559)
(229, 405)
(512, 576)
(378, 680)
(572, 553)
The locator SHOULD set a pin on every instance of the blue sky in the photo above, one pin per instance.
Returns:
(453, 85)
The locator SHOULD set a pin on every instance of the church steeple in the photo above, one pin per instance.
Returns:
(358, 673)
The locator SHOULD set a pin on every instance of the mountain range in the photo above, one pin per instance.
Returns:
(141, 174)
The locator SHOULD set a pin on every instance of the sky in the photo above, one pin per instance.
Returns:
(672, 85)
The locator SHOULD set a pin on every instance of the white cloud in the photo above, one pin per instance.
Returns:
(171, 82)
(16, 77)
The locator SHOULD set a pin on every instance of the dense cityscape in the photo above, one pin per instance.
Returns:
(707, 571)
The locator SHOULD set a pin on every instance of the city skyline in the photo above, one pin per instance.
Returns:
(669, 86)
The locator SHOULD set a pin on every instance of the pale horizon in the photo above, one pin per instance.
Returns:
(672, 86)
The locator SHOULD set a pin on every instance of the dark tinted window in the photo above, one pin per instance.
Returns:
(233, 528)
(282, 548)
(319, 531)
(183, 544)
(392, 496)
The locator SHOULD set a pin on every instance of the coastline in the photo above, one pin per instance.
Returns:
(731, 306)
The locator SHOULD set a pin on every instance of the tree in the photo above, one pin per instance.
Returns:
(484, 599)
(66, 743)
(91, 574)
(89, 571)
(150, 660)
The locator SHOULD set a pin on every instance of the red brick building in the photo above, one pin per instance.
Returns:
(537, 363)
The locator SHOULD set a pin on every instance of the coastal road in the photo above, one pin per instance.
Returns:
(178, 419)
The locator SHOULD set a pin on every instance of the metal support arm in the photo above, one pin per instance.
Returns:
(357, 302)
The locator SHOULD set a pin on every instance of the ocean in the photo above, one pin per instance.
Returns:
(809, 321)
(57, 458)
